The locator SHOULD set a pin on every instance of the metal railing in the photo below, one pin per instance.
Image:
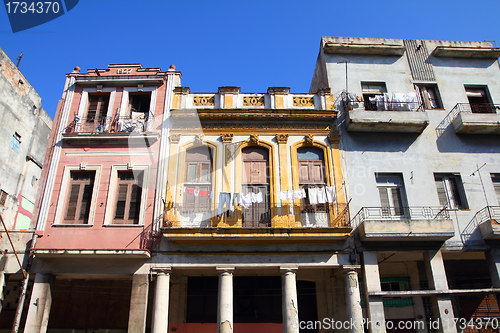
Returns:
(400, 213)
(468, 108)
(488, 213)
(392, 106)
(257, 215)
(109, 125)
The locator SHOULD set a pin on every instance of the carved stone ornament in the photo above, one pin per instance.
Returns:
(253, 101)
(198, 138)
(204, 100)
(254, 138)
(226, 137)
(303, 101)
(309, 139)
(175, 138)
(282, 138)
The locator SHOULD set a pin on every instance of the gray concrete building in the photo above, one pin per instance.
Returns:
(24, 134)
(419, 123)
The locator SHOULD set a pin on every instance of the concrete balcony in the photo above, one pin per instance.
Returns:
(404, 224)
(488, 220)
(476, 118)
(256, 223)
(388, 117)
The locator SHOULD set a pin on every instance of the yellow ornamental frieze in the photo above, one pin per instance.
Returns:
(303, 101)
(253, 101)
(204, 100)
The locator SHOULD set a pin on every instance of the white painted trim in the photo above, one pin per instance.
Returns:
(110, 202)
(63, 193)
(49, 185)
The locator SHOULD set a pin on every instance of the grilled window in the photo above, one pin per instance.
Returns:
(430, 96)
(15, 141)
(450, 191)
(479, 99)
(128, 197)
(79, 197)
(370, 90)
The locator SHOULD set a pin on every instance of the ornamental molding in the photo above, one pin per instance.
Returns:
(175, 138)
(204, 100)
(226, 137)
(303, 101)
(282, 138)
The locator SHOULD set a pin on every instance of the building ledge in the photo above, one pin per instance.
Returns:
(117, 80)
(70, 253)
(257, 234)
(406, 230)
(387, 121)
(406, 293)
(364, 49)
(477, 123)
(490, 230)
(78, 139)
(466, 52)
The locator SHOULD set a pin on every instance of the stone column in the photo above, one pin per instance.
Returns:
(374, 304)
(138, 304)
(436, 275)
(289, 300)
(39, 307)
(493, 259)
(161, 300)
(353, 299)
(225, 300)
(283, 163)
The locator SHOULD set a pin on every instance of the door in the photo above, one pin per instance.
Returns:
(479, 100)
(256, 180)
(198, 180)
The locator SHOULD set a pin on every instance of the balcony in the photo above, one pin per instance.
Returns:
(488, 220)
(404, 224)
(258, 222)
(110, 130)
(396, 117)
(475, 118)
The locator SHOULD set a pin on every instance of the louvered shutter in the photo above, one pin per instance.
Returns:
(443, 199)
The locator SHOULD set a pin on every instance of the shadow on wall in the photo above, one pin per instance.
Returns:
(450, 142)
(461, 62)
(379, 142)
(364, 60)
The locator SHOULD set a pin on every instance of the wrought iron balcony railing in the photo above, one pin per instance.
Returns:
(109, 125)
(258, 215)
(467, 108)
(399, 214)
(385, 106)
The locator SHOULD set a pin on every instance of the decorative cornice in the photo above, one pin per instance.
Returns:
(227, 137)
(333, 137)
(281, 138)
(182, 90)
(175, 138)
(278, 90)
(229, 90)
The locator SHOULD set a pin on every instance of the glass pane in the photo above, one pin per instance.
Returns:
(135, 203)
(73, 199)
(121, 200)
(191, 173)
(310, 154)
(205, 173)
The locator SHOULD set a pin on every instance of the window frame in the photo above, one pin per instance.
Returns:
(426, 102)
(399, 185)
(15, 142)
(496, 185)
(63, 194)
(367, 93)
(109, 215)
(84, 103)
(447, 177)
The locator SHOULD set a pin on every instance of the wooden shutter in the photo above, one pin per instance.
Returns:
(397, 201)
(128, 197)
(121, 202)
(72, 202)
(455, 194)
(79, 197)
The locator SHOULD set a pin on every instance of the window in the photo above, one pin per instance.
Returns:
(95, 117)
(450, 191)
(479, 99)
(370, 91)
(495, 178)
(311, 173)
(138, 105)
(396, 284)
(79, 197)
(391, 191)
(128, 197)
(430, 96)
(15, 141)
(3, 197)
(198, 179)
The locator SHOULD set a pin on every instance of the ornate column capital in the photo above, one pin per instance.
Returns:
(254, 138)
(333, 137)
(161, 270)
(309, 138)
(281, 138)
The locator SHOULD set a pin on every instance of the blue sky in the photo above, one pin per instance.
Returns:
(251, 44)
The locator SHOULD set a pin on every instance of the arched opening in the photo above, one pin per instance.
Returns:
(256, 180)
